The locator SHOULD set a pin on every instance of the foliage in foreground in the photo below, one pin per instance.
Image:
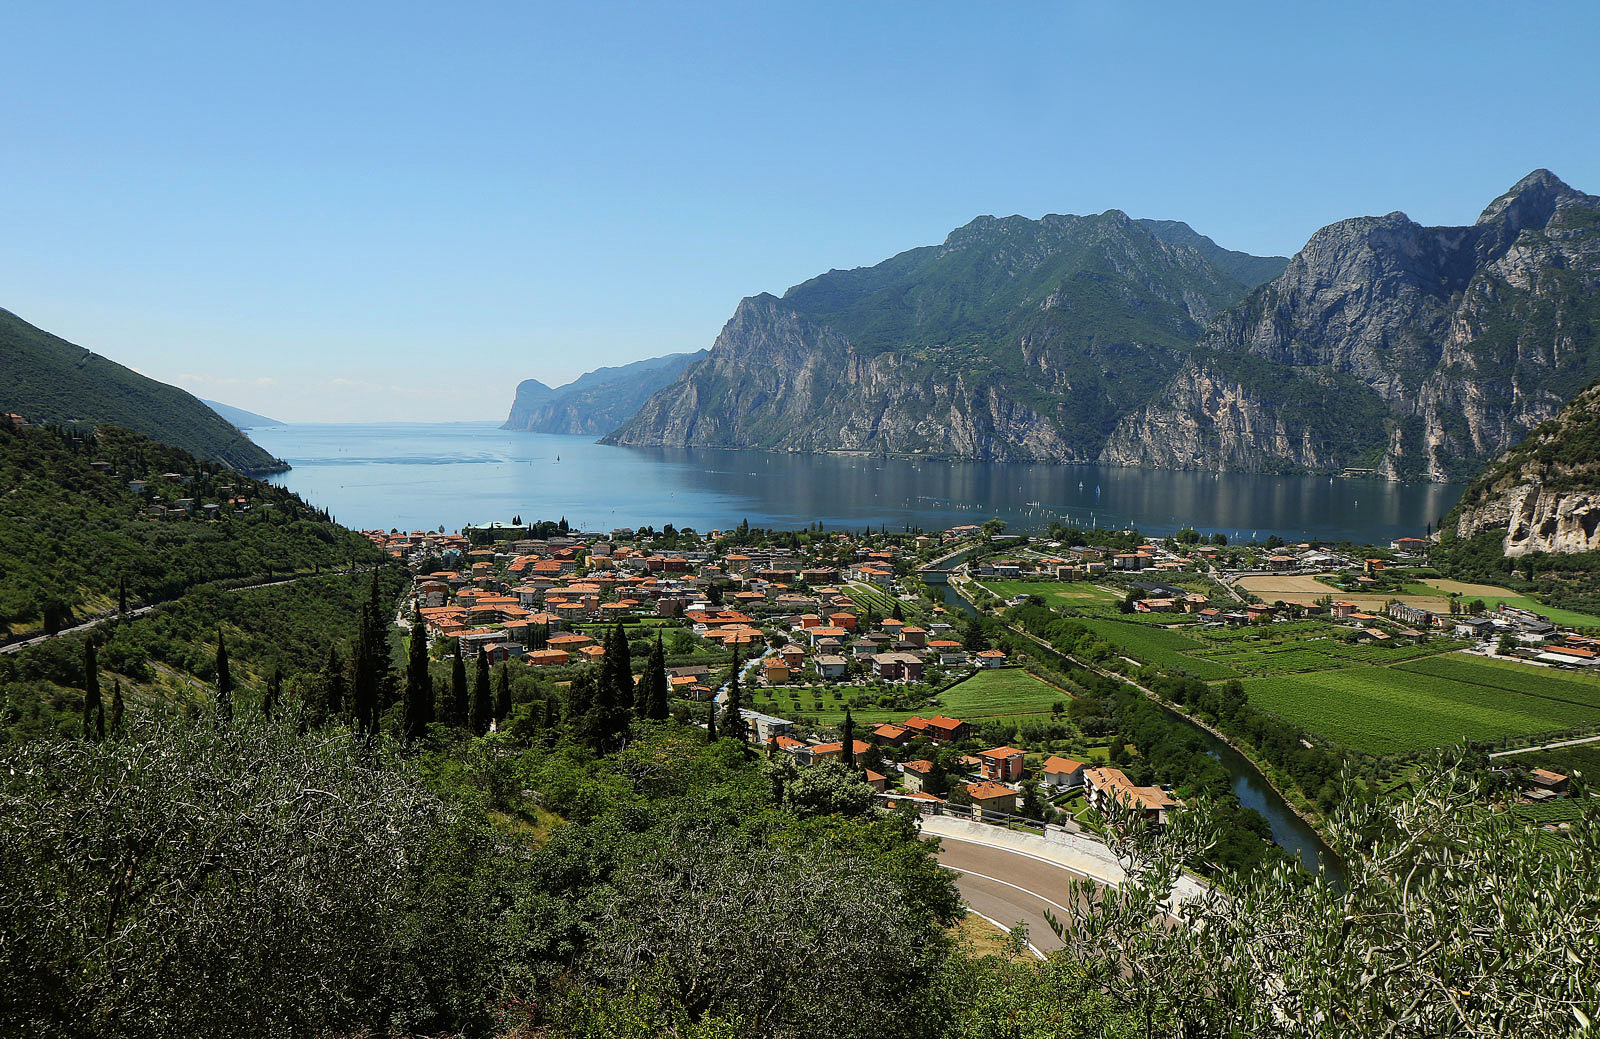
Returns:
(1454, 920)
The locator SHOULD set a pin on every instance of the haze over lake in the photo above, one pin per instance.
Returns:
(414, 475)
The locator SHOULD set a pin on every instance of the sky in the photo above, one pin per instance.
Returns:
(367, 212)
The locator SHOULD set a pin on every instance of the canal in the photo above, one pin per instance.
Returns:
(1290, 832)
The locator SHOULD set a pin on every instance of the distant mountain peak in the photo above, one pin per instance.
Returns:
(1531, 201)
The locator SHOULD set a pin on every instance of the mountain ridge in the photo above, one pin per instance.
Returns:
(51, 380)
(1449, 342)
(595, 402)
(1013, 339)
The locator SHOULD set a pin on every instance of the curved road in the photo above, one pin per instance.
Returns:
(1009, 886)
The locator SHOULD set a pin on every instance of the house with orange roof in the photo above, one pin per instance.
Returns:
(548, 658)
(1002, 764)
(992, 797)
(891, 735)
(835, 751)
(990, 658)
(1062, 773)
(1106, 786)
(877, 781)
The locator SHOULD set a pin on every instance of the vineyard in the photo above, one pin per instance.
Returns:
(1158, 646)
(1396, 710)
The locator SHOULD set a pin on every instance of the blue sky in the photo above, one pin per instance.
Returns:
(352, 212)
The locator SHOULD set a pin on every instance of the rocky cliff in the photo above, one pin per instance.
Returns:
(1544, 494)
(595, 402)
(1015, 339)
(1416, 351)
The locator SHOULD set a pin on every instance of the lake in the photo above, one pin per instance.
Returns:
(418, 475)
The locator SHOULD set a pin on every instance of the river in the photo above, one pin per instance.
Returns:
(418, 475)
(1289, 831)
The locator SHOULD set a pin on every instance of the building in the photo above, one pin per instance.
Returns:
(992, 797)
(1002, 764)
(891, 735)
(916, 774)
(831, 666)
(835, 751)
(1107, 786)
(764, 728)
(1062, 773)
(939, 729)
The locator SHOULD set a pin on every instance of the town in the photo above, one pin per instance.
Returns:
(893, 652)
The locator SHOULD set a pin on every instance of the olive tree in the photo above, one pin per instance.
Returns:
(782, 937)
(1454, 918)
(207, 881)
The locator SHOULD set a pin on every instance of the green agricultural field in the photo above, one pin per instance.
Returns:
(1055, 593)
(1159, 646)
(1568, 618)
(1584, 758)
(881, 603)
(1568, 686)
(1389, 710)
(1007, 691)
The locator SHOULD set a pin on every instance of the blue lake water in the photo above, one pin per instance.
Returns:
(416, 475)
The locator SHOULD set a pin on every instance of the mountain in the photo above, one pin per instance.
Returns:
(1014, 339)
(238, 416)
(1544, 494)
(596, 402)
(1416, 351)
(48, 379)
(1252, 270)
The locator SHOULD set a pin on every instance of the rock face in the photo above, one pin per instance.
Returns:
(595, 402)
(1013, 340)
(1544, 494)
(1415, 351)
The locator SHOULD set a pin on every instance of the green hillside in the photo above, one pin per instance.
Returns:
(51, 380)
(72, 533)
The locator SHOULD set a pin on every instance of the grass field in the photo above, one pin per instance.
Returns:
(1427, 703)
(1527, 679)
(1009, 693)
(1158, 646)
(1056, 593)
(1004, 692)
(882, 603)
(1493, 597)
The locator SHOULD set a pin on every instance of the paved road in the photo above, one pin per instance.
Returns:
(1008, 886)
(1547, 746)
(95, 622)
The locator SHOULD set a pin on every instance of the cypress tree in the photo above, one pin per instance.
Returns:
(711, 725)
(418, 699)
(502, 694)
(224, 682)
(656, 677)
(644, 692)
(849, 740)
(116, 707)
(482, 704)
(364, 684)
(332, 684)
(269, 700)
(458, 689)
(618, 668)
(733, 723)
(94, 715)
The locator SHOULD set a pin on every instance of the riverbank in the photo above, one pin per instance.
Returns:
(1294, 828)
